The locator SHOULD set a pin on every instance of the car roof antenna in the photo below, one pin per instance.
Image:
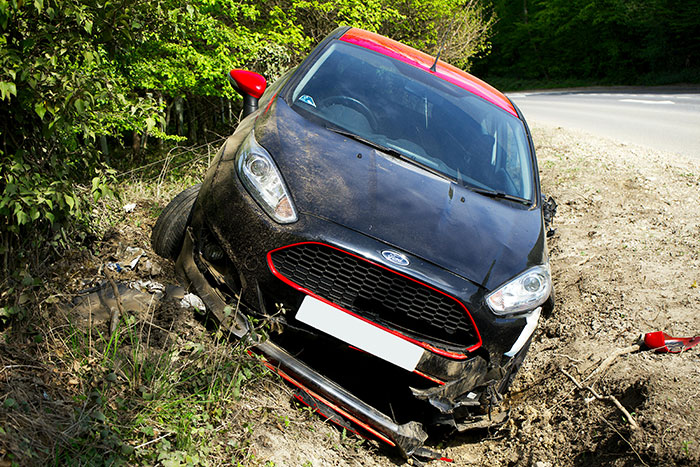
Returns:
(442, 45)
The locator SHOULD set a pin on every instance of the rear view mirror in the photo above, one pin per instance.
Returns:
(250, 85)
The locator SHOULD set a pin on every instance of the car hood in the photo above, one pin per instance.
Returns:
(485, 240)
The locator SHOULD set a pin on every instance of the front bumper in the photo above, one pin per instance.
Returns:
(408, 437)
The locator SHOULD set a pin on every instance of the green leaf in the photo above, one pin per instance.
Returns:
(150, 123)
(7, 89)
(39, 5)
(79, 105)
(27, 279)
(22, 217)
(40, 109)
(127, 450)
(69, 201)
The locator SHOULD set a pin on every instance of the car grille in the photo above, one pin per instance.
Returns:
(376, 293)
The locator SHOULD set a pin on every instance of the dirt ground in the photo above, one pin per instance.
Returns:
(625, 261)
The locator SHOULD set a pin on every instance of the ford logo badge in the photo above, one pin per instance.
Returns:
(395, 257)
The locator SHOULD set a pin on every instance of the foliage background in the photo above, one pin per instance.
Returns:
(596, 41)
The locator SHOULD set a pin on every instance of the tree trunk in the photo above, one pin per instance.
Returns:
(192, 121)
(168, 114)
(104, 147)
(179, 111)
(223, 110)
(163, 128)
(136, 142)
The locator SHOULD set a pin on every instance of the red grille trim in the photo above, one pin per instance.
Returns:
(425, 345)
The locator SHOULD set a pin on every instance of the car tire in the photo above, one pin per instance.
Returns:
(169, 231)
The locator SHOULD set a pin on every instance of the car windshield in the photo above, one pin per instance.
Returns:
(432, 122)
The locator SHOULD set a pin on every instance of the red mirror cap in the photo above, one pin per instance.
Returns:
(249, 82)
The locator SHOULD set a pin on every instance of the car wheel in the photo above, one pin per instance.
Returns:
(169, 231)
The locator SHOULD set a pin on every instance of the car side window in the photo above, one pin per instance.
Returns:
(516, 168)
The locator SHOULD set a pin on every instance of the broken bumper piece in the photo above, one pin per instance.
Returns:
(461, 403)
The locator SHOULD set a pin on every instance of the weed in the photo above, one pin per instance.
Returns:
(686, 446)
(159, 389)
(285, 421)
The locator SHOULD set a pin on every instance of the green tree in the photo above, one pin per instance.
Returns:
(59, 93)
(609, 40)
(460, 28)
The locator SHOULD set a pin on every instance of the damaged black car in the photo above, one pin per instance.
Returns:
(381, 210)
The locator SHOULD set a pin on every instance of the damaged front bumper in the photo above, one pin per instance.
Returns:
(459, 393)
(407, 437)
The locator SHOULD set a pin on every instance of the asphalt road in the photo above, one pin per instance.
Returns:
(663, 119)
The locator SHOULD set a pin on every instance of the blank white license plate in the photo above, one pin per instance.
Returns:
(359, 333)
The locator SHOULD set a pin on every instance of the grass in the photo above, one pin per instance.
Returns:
(163, 388)
(142, 395)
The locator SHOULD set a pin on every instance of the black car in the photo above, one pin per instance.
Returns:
(381, 211)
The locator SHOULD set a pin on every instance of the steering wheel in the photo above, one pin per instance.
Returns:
(353, 104)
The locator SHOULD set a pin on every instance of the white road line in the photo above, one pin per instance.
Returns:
(642, 101)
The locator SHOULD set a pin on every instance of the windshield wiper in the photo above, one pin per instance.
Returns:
(351, 135)
(498, 194)
(390, 151)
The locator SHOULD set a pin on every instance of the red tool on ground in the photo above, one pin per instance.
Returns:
(663, 343)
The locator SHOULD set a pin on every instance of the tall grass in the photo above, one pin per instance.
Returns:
(162, 388)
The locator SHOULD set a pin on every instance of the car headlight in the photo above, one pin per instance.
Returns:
(262, 179)
(527, 291)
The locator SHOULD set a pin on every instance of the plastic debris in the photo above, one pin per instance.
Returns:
(663, 343)
(129, 207)
(98, 302)
(151, 268)
(190, 300)
(127, 259)
(114, 267)
(147, 286)
(133, 255)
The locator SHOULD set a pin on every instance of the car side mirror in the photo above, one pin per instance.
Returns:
(250, 85)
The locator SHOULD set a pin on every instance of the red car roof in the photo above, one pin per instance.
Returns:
(404, 53)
